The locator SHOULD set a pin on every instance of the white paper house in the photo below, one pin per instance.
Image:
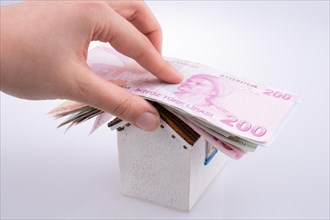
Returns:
(171, 166)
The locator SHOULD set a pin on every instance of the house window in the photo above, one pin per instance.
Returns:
(210, 151)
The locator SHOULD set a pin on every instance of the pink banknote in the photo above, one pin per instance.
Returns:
(221, 101)
(66, 108)
(101, 119)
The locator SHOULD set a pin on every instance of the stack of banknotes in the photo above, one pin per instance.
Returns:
(233, 114)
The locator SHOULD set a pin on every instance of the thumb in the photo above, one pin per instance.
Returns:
(90, 89)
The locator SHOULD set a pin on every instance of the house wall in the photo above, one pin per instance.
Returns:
(202, 175)
(154, 167)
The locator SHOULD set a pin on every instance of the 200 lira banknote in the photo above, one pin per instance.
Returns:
(240, 112)
(220, 101)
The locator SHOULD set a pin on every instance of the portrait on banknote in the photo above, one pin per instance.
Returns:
(204, 90)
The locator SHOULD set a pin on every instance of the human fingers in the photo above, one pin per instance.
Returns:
(123, 36)
(138, 13)
(86, 87)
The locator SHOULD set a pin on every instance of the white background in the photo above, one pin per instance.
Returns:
(48, 174)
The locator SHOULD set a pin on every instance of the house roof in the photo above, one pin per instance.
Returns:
(179, 126)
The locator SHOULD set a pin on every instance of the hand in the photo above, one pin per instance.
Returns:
(44, 49)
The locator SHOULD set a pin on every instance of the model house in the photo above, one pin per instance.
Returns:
(171, 166)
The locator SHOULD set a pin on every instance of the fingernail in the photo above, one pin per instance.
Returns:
(147, 121)
(179, 76)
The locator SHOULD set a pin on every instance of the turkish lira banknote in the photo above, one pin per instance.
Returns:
(223, 108)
